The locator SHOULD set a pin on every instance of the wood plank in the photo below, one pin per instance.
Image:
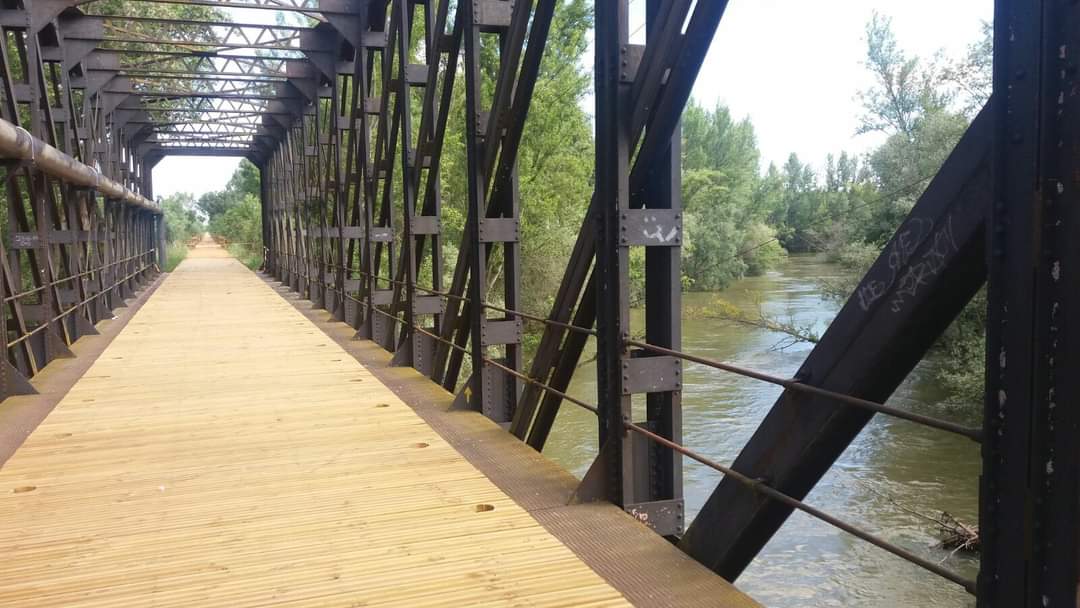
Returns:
(224, 451)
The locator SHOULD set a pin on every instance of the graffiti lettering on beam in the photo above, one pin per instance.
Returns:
(910, 279)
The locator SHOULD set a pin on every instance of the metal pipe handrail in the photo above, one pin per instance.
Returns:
(45, 325)
(972, 433)
(103, 267)
(18, 143)
(762, 487)
(944, 425)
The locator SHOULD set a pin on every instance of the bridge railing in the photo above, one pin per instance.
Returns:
(350, 146)
(757, 485)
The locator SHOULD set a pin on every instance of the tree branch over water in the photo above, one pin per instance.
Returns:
(794, 331)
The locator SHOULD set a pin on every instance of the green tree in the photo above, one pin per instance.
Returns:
(972, 75)
(914, 104)
(799, 205)
(241, 223)
(725, 207)
(243, 183)
(235, 214)
(182, 223)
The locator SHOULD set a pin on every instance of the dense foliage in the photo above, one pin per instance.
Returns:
(235, 214)
(182, 221)
(555, 165)
(923, 108)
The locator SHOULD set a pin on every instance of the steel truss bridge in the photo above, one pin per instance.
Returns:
(346, 116)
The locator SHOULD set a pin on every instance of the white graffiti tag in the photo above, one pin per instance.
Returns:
(910, 278)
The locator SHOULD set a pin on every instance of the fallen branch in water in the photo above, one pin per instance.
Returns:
(955, 535)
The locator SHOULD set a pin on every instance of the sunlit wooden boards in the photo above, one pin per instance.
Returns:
(223, 451)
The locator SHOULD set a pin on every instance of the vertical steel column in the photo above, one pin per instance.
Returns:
(315, 195)
(351, 190)
(664, 76)
(1030, 498)
(612, 252)
(382, 232)
(293, 169)
(340, 129)
(421, 175)
(408, 76)
(326, 180)
(368, 176)
(630, 470)
(266, 209)
(661, 220)
(477, 261)
(303, 151)
(490, 390)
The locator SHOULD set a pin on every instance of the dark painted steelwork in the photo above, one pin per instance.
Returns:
(492, 137)
(81, 235)
(644, 477)
(1030, 499)
(346, 120)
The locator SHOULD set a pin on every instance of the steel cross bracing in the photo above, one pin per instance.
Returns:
(81, 235)
(346, 118)
(419, 172)
(348, 256)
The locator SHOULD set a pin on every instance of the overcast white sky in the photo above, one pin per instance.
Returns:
(792, 66)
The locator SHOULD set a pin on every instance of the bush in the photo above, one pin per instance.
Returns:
(240, 223)
(252, 258)
(182, 223)
(760, 250)
(175, 253)
(961, 356)
(958, 354)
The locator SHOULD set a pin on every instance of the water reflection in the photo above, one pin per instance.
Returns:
(893, 470)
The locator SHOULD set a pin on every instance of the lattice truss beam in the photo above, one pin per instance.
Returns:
(363, 238)
(150, 74)
(346, 116)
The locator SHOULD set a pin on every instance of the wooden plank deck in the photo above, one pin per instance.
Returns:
(223, 451)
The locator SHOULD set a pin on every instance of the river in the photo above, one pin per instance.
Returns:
(893, 467)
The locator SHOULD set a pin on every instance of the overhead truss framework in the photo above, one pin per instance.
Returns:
(344, 107)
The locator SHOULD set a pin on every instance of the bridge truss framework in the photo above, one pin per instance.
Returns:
(346, 117)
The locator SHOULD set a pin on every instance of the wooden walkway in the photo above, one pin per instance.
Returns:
(223, 451)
